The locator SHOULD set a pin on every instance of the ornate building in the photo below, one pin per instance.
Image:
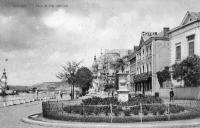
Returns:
(103, 69)
(152, 56)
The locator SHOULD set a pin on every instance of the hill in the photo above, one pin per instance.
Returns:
(20, 88)
(52, 86)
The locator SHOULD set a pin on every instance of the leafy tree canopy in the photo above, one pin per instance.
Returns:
(163, 75)
(69, 72)
(188, 70)
(84, 79)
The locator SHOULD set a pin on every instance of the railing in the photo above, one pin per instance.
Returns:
(167, 111)
(23, 100)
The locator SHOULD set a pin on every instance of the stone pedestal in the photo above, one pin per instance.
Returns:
(123, 91)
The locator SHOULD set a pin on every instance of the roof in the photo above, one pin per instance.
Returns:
(132, 55)
(195, 14)
(157, 36)
(188, 19)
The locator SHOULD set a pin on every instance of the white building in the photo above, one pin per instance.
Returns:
(185, 39)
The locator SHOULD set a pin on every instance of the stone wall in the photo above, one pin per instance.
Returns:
(191, 93)
(187, 93)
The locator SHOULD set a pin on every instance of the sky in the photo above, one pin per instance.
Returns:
(37, 40)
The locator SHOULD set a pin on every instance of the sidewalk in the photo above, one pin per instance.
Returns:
(157, 124)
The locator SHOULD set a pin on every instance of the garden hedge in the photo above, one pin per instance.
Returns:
(120, 119)
(99, 110)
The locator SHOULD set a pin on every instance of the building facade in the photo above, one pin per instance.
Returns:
(151, 57)
(185, 40)
(132, 68)
(103, 69)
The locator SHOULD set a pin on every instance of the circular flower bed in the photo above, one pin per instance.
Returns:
(110, 110)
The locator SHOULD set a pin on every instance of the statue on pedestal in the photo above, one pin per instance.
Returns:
(3, 82)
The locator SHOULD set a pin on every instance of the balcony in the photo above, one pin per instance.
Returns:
(142, 77)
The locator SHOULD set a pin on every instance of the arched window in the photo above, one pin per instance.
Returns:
(143, 68)
(150, 67)
(147, 67)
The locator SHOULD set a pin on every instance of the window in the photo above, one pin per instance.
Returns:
(143, 68)
(191, 48)
(147, 68)
(178, 52)
(190, 40)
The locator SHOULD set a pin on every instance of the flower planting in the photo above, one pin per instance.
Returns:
(97, 109)
(136, 105)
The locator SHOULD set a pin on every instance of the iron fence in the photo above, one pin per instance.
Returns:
(143, 112)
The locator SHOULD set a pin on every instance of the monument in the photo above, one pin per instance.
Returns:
(123, 90)
(3, 82)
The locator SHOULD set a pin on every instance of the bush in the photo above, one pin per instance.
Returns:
(176, 108)
(145, 112)
(154, 109)
(97, 110)
(67, 109)
(127, 112)
(118, 119)
(116, 110)
(162, 109)
(106, 109)
(89, 110)
(143, 100)
(77, 109)
(92, 101)
(100, 101)
(135, 110)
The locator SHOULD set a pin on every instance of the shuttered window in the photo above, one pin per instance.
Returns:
(190, 40)
(178, 52)
(191, 48)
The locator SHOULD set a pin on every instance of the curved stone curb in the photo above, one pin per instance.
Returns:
(55, 123)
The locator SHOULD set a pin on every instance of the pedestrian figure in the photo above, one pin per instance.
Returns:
(36, 94)
(171, 93)
(61, 95)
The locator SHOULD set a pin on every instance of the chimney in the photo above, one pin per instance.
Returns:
(165, 31)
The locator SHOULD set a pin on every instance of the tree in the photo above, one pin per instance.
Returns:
(84, 79)
(119, 64)
(163, 76)
(69, 74)
(188, 70)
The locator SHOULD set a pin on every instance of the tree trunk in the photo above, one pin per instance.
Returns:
(73, 90)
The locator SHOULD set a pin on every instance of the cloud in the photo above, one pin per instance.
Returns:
(37, 40)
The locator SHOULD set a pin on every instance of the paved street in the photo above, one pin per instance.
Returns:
(10, 117)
